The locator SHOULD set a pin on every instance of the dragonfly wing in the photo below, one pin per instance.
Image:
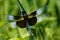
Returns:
(32, 21)
(33, 13)
(17, 17)
(21, 24)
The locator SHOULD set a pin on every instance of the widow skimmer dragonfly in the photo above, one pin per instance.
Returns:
(26, 20)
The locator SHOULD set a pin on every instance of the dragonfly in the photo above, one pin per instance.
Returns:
(31, 19)
(26, 20)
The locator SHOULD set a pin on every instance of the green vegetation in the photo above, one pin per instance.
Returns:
(47, 28)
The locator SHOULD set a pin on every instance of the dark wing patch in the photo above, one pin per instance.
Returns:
(21, 24)
(17, 17)
(32, 21)
(33, 13)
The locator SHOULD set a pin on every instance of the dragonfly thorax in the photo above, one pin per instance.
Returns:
(25, 16)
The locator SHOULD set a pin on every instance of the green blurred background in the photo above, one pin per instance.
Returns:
(46, 28)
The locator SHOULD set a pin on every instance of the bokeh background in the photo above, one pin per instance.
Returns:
(48, 21)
